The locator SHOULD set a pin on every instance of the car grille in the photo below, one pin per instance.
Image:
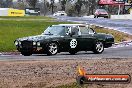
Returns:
(27, 44)
(103, 14)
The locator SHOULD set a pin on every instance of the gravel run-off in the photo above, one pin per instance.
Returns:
(52, 73)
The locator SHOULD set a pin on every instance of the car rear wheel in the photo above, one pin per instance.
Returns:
(95, 16)
(106, 17)
(26, 53)
(52, 49)
(98, 48)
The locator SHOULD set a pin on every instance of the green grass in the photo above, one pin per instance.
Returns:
(72, 85)
(75, 85)
(11, 30)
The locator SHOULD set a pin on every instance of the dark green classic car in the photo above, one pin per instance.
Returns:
(70, 38)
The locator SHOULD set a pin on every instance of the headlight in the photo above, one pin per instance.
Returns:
(16, 43)
(34, 43)
(38, 43)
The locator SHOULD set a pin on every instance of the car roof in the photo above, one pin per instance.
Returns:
(72, 24)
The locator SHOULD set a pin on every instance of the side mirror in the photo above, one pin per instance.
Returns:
(95, 32)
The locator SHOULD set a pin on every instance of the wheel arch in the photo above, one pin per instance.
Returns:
(100, 40)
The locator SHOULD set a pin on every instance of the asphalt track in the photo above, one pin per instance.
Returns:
(116, 52)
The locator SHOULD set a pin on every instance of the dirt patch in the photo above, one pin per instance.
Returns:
(52, 73)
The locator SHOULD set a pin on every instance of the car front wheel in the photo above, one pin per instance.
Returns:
(52, 49)
(98, 48)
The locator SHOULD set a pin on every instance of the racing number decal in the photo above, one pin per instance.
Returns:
(73, 43)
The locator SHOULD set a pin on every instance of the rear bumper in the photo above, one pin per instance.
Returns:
(106, 45)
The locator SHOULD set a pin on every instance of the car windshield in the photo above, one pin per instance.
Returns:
(54, 30)
(102, 10)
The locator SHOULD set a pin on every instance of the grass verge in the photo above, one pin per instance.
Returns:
(75, 85)
(72, 85)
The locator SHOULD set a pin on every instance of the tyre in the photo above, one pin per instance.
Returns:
(52, 49)
(98, 48)
(26, 53)
(106, 17)
(95, 16)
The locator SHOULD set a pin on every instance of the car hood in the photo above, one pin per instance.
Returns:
(103, 13)
(35, 38)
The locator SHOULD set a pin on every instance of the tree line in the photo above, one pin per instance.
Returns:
(72, 7)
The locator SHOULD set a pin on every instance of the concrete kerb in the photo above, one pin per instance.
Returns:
(10, 53)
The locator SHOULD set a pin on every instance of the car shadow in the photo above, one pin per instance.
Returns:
(67, 54)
